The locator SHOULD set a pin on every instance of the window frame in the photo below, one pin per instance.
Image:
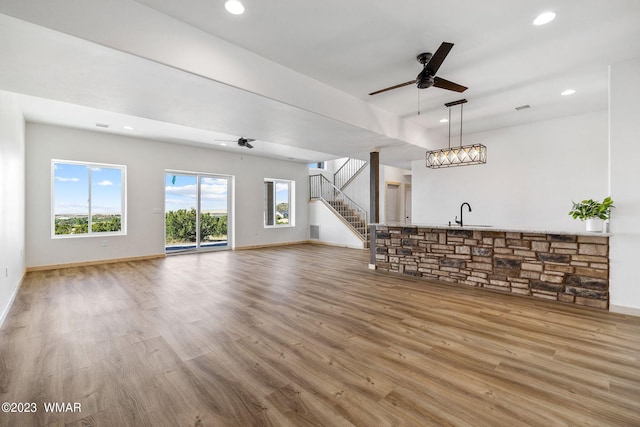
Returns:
(123, 199)
(291, 202)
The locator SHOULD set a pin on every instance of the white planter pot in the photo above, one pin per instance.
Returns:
(594, 225)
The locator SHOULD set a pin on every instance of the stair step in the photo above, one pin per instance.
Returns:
(351, 216)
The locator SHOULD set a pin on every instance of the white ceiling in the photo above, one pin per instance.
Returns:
(354, 46)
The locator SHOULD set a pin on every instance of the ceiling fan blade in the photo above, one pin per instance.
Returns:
(446, 84)
(393, 87)
(438, 58)
(249, 139)
(248, 145)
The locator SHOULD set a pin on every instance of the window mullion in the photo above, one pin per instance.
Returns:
(198, 207)
(89, 220)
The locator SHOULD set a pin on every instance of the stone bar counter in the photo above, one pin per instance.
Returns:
(567, 267)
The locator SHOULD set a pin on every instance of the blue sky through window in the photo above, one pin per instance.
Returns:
(282, 192)
(181, 193)
(71, 190)
(106, 191)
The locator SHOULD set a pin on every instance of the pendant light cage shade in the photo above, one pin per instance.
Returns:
(462, 155)
(475, 154)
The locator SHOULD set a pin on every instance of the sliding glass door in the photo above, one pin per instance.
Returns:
(214, 211)
(197, 212)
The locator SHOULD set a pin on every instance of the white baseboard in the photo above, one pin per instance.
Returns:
(95, 262)
(624, 310)
(270, 245)
(12, 298)
(337, 245)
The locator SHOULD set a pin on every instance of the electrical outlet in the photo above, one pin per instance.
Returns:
(6, 271)
(103, 243)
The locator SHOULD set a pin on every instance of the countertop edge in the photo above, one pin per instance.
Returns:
(497, 229)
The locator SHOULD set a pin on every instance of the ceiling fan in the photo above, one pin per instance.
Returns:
(427, 77)
(242, 142)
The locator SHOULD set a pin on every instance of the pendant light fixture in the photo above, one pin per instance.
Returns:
(467, 155)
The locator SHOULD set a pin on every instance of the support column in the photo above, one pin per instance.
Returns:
(374, 187)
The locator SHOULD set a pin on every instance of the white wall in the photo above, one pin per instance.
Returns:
(12, 201)
(358, 190)
(624, 92)
(532, 174)
(146, 162)
(332, 230)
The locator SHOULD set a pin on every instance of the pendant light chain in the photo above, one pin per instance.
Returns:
(449, 127)
(461, 106)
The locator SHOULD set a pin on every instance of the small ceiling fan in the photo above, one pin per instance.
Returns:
(242, 142)
(427, 77)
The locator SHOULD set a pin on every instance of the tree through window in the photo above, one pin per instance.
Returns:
(88, 198)
(278, 203)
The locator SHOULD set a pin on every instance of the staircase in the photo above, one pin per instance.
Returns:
(351, 216)
(348, 172)
(346, 209)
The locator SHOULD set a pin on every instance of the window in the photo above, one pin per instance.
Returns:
(317, 165)
(87, 199)
(278, 203)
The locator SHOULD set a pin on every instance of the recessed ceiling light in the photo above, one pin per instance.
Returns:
(128, 128)
(234, 7)
(444, 120)
(568, 92)
(223, 143)
(544, 18)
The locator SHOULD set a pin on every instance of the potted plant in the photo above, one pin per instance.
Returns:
(592, 212)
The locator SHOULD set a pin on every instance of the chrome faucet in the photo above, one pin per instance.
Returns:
(461, 206)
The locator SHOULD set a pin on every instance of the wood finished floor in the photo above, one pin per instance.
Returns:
(306, 335)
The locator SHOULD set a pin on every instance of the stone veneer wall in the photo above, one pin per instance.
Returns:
(562, 267)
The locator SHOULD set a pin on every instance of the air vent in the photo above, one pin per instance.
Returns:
(102, 125)
(314, 231)
(523, 107)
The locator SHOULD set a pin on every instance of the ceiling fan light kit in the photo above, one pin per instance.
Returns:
(463, 155)
(245, 142)
(242, 142)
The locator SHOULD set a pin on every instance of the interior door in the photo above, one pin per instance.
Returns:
(392, 204)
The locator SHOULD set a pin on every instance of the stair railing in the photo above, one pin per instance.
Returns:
(348, 172)
(320, 188)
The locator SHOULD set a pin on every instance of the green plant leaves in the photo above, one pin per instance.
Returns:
(592, 209)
